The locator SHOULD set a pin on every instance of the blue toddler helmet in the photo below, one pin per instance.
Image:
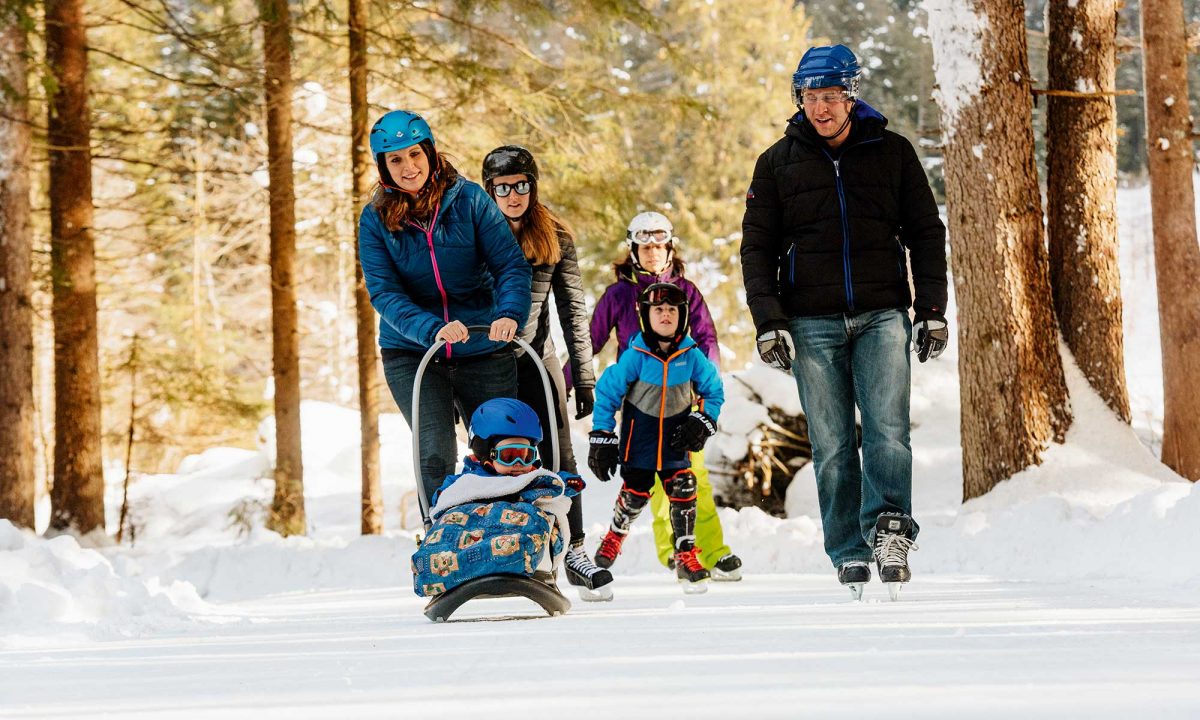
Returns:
(502, 418)
(827, 66)
(397, 130)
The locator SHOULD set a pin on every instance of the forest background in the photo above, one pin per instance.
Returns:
(628, 106)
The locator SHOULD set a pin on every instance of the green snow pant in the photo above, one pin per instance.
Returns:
(709, 536)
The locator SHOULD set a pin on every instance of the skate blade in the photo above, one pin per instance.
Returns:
(894, 590)
(856, 591)
(694, 588)
(600, 594)
(721, 576)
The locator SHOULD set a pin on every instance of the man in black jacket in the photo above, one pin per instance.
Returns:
(831, 210)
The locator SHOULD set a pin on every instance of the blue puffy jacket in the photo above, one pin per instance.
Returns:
(655, 394)
(467, 267)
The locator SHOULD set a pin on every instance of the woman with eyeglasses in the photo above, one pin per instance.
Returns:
(652, 258)
(437, 257)
(510, 175)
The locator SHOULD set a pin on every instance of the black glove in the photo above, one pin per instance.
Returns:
(775, 349)
(604, 454)
(693, 432)
(931, 338)
(585, 399)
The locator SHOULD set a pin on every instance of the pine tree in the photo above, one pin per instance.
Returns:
(77, 497)
(1081, 192)
(17, 484)
(361, 168)
(1014, 396)
(1176, 252)
(287, 509)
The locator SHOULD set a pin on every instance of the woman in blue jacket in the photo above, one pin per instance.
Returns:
(438, 256)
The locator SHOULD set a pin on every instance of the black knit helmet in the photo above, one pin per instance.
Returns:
(509, 160)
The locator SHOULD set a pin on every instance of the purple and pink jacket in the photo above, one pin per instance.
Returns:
(618, 310)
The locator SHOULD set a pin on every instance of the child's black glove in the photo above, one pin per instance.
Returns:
(693, 432)
(603, 454)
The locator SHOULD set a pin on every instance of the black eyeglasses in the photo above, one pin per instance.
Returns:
(503, 189)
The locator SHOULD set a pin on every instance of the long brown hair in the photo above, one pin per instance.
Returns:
(538, 231)
(398, 208)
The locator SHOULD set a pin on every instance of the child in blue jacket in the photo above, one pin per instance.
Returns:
(656, 383)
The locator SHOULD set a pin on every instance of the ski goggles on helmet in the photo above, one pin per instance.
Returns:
(510, 454)
(664, 294)
(652, 237)
(503, 189)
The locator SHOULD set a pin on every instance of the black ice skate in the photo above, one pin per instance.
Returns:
(892, 542)
(690, 572)
(593, 582)
(854, 574)
(727, 569)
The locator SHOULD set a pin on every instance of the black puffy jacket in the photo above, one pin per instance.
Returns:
(566, 282)
(825, 230)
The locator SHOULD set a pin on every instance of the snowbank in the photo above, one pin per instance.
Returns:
(51, 583)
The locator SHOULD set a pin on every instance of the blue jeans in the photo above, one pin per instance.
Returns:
(466, 382)
(842, 361)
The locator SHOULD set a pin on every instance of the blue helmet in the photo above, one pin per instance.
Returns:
(501, 418)
(397, 130)
(826, 66)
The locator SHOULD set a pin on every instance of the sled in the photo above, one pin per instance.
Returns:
(542, 592)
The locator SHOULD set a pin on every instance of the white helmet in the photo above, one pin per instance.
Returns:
(649, 228)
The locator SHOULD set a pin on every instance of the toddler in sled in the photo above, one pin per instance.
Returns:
(504, 514)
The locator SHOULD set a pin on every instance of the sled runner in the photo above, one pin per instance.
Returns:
(540, 588)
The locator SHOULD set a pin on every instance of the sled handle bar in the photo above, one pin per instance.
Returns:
(551, 409)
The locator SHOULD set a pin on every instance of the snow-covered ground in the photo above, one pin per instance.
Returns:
(1068, 591)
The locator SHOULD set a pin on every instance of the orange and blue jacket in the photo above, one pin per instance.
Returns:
(655, 393)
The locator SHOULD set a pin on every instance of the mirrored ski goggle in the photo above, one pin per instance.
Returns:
(652, 237)
(503, 189)
(511, 454)
(664, 296)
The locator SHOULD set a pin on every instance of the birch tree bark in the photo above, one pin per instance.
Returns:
(1014, 397)
(1176, 251)
(77, 496)
(1081, 193)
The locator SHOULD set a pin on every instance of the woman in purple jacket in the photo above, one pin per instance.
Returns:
(651, 241)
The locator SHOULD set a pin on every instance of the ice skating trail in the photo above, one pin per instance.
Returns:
(770, 646)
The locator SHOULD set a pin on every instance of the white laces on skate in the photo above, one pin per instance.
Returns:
(892, 549)
(578, 560)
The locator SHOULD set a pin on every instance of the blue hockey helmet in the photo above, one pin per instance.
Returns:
(502, 418)
(827, 66)
(397, 130)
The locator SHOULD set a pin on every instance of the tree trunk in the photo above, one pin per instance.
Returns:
(1081, 193)
(1014, 396)
(17, 480)
(77, 497)
(1176, 251)
(287, 510)
(361, 168)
